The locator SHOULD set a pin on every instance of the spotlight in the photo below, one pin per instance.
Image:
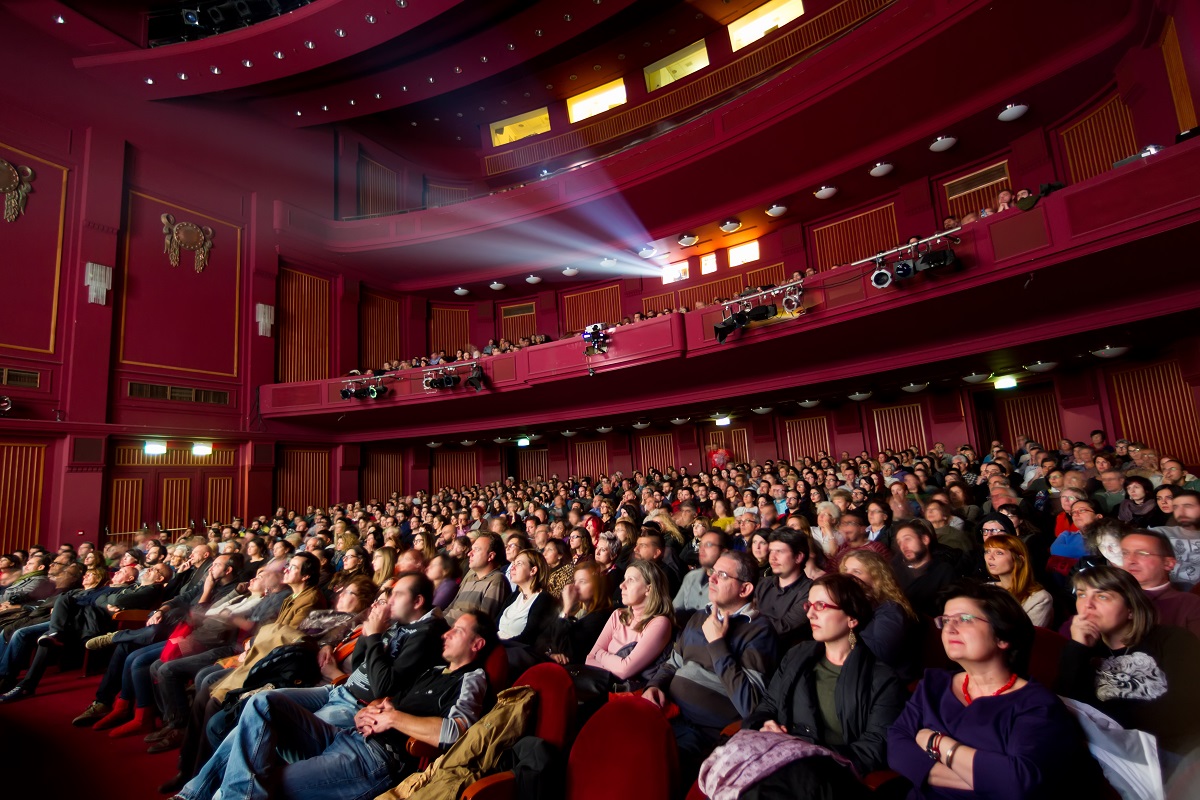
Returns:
(903, 270)
(595, 339)
(791, 299)
(191, 17)
(216, 15)
(475, 380)
(426, 382)
(937, 258)
(722, 329)
(242, 8)
(362, 393)
(450, 381)
(881, 278)
(760, 313)
(347, 393)
(6, 404)
(377, 390)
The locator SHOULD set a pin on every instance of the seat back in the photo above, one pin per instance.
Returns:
(626, 750)
(555, 714)
(495, 666)
(1047, 652)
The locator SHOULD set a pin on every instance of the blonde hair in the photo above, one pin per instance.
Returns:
(388, 568)
(883, 579)
(658, 600)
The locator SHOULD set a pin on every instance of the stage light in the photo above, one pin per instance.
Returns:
(1005, 382)
(362, 393)
(377, 390)
(595, 339)
(881, 278)
(347, 393)
(791, 299)
(761, 313)
(6, 404)
(191, 17)
(737, 320)
(155, 448)
(202, 449)
(937, 258)
(903, 270)
(475, 380)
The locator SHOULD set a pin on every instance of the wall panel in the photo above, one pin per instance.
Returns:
(709, 292)
(517, 321)
(1035, 415)
(855, 238)
(591, 458)
(595, 305)
(22, 471)
(175, 504)
(656, 451)
(378, 330)
(302, 478)
(382, 474)
(376, 188)
(218, 499)
(531, 463)
(1153, 404)
(740, 444)
(806, 436)
(449, 328)
(657, 302)
(1093, 144)
(125, 507)
(1181, 92)
(775, 274)
(454, 468)
(899, 427)
(304, 325)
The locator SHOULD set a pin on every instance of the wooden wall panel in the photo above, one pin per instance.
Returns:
(806, 436)
(899, 427)
(302, 478)
(175, 504)
(1154, 404)
(376, 188)
(453, 469)
(1035, 415)
(531, 463)
(708, 293)
(656, 451)
(739, 444)
(304, 325)
(135, 456)
(22, 470)
(218, 499)
(1181, 92)
(591, 459)
(382, 474)
(449, 328)
(718, 440)
(1093, 144)
(775, 274)
(513, 326)
(125, 515)
(855, 238)
(657, 302)
(595, 305)
(378, 330)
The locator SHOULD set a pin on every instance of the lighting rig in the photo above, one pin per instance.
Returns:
(449, 376)
(901, 263)
(596, 338)
(756, 305)
(365, 386)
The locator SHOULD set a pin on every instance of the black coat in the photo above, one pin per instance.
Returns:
(869, 698)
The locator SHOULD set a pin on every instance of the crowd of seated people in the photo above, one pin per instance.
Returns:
(466, 353)
(797, 599)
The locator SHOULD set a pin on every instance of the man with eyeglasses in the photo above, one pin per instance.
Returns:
(693, 592)
(718, 669)
(1149, 557)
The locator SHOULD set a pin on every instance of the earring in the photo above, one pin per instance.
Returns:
(853, 640)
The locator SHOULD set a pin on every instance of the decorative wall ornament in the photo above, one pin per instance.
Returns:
(264, 315)
(186, 236)
(15, 185)
(98, 280)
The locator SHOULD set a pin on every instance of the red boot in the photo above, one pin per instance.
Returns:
(121, 712)
(142, 723)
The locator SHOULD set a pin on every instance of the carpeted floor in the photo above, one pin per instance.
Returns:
(43, 750)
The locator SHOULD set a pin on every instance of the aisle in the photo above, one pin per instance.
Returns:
(41, 745)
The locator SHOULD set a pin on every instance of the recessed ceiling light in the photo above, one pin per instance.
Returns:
(730, 225)
(370, 18)
(461, 292)
(278, 54)
(149, 81)
(310, 44)
(880, 169)
(512, 46)
(776, 210)
(1012, 112)
(378, 96)
(943, 143)
(533, 279)
(483, 59)
(59, 19)
(324, 108)
(247, 63)
(298, 113)
(183, 76)
(495, 286)
(825, 192)
(647, 251)
(458, 70)
(215, 70)
(431, 79)
(570, 272)
(352, 102)
(339, 32)
(688, 239)
(402, 3)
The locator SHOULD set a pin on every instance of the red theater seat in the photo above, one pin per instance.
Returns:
(625, 751)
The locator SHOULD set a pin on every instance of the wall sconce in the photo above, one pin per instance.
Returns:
(201, 449)
(155, 448)
(264, 315)
(98, 280)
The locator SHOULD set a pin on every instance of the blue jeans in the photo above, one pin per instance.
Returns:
(280, 749)
(136, 685)
(15, 656)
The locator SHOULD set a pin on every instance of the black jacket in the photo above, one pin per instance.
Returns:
(541, 614)
(869, 699)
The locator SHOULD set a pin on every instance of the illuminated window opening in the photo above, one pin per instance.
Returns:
(679, 64)
(743, 253)
(675, 272)
(596, 101)
(765, 19)
(513, 129)
(708, 263)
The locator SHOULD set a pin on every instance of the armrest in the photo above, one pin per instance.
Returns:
(880, 777)
(131, 615)
(731, 728)
(340, 679)
(501, 786)
(421, 750)
(694, 793)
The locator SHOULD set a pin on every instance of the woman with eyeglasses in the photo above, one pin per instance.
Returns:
(986, 726)
(579, 540)
(1121, 661)
(1008, 565)
(831, 691)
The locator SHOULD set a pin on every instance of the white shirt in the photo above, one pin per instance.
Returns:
(514, 618)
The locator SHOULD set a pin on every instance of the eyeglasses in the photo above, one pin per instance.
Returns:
(725, 576)
(820, 606)
(958, 619)
(992, 530)
(1142, 554)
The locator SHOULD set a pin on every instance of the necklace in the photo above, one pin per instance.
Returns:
(967, 682)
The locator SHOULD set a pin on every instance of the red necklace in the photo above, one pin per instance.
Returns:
(967, 682)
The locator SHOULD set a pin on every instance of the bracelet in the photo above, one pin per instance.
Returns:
(931, 747)
(950, 751)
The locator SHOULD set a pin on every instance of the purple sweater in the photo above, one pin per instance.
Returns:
(1028, 744)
